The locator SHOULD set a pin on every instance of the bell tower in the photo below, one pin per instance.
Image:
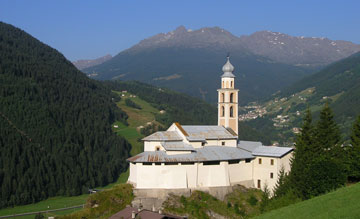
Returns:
(228, 99)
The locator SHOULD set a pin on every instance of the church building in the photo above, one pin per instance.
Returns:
(205, 156)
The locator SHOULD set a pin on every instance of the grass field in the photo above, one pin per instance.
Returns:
(49, 204)
(342, 203)
(136, 118)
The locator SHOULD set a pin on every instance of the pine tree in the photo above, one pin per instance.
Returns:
(303, 156)
(327, 136)
(282, 185)
(354, 152)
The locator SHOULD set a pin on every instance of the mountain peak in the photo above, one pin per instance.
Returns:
(180, 29)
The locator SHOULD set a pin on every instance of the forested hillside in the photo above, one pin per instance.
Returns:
(339, 84)
(55, 124)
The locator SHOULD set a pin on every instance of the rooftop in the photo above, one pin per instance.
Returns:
(258, 149)
(208, 153)
(207, 132)
(164, 136)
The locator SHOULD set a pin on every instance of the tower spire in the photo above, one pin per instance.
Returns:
(228, 98)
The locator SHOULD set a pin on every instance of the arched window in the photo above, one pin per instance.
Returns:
(231, 84)
(222, 111)
(222, 97)
(223, 84)
(231, 112)
(231, 97)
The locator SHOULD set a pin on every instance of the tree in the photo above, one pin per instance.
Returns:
(282, 186)
(327, 136)
(303, 156)
(354, 152)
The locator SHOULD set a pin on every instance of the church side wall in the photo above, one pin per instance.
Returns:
(133, 173)
(240, 172)
(231, 142)
(161, 176)
(152, 145)
(263, 172)
(213, 175)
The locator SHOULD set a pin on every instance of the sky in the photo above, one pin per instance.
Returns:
(87, 29)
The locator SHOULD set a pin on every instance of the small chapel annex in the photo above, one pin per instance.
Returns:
(198, 156)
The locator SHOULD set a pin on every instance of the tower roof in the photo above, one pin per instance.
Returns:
(228, 69)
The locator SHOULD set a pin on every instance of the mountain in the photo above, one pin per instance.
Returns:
(190, 62)
(281, 115)
(82, 64)
(301, 51)
(55, 124)
(339, 84)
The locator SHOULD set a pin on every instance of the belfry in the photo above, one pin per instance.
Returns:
(228, 99)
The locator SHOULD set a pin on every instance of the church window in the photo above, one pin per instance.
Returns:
(212, 163)
(231, 97)
(222, 97)
(271, 175)
(202, 143)
(233, 161)
(231, 112)
(231, 84)
(259, 184)
(222, 111)
(247, 160)
(260, 160)
(157, 148)
(223, 143)
(272, 161)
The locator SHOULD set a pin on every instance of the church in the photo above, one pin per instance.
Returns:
(207, 156)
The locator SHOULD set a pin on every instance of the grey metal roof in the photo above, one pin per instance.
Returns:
(228, 68)
(208, 153)
(164, 136)
(249, 145)
(207, 132)
(177, 146)
(271, 151)
(228, 75)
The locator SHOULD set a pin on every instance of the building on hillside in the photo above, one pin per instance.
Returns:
(207, 156)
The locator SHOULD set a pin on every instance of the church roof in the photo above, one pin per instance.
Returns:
(249, 145)
(258, 149)
(208, 153)
(271, 151)
(207, 132)
(164, 136)
(177, 146)
(228, 68)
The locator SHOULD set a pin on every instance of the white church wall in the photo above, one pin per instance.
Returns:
(240, 172)
(227, 142)
(264, 170)
(196, 144)
(285, 162)
(133, 173)
(152, 146)
(161, 176)
(213, 175)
